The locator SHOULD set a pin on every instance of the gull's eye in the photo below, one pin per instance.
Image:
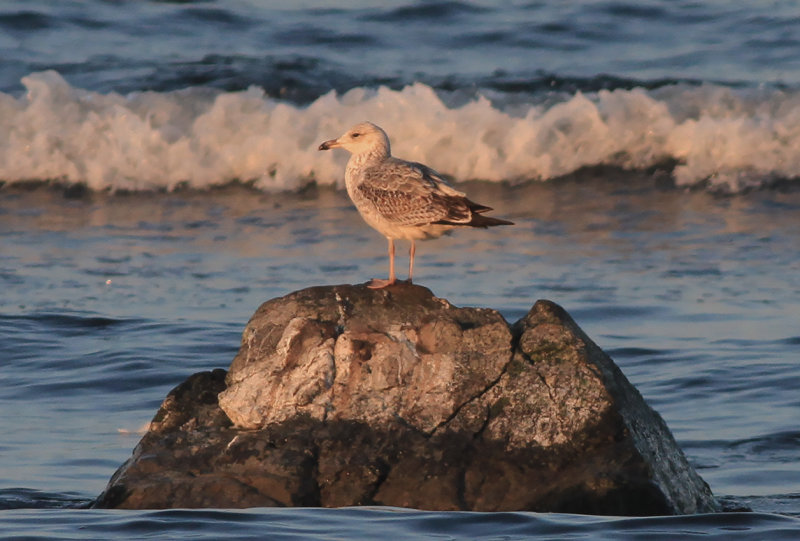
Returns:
(356, 135)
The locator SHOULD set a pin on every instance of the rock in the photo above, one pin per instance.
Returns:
(344, 395)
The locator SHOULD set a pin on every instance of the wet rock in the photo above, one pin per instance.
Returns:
(344, 395)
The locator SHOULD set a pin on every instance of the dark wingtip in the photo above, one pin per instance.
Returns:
(477, 220)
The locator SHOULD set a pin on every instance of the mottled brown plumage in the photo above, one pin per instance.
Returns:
(400, 199)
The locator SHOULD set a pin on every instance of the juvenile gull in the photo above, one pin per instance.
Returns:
(400, 199)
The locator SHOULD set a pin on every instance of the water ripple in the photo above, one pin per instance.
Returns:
(362, 524)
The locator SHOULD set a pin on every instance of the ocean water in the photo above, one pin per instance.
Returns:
(159, 179)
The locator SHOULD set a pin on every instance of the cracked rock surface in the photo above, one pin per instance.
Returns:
(342, 395)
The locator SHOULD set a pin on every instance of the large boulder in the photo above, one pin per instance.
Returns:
(344, 395)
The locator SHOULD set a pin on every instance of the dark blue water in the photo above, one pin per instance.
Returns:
(370, 523)
(648, 153)
(299, 50)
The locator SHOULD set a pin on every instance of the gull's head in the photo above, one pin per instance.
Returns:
(364, 138)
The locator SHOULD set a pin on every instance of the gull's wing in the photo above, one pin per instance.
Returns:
(408, 193)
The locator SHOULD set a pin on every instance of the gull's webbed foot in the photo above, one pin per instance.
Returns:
(377, 283)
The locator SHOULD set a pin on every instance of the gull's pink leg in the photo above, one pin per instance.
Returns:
(411, 252)
(391, 261)
(378, 284)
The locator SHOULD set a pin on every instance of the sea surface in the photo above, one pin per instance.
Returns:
(159, 180)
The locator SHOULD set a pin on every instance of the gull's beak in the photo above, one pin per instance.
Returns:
(327, 145)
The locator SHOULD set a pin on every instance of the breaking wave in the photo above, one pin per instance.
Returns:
(716, 137)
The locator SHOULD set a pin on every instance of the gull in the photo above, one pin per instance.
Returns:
(400, 199)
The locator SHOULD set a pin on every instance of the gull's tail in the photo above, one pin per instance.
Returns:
(473, 216)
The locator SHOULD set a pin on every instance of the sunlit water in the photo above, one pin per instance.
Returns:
(109, 301)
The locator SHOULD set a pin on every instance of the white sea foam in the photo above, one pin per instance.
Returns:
(721, 137)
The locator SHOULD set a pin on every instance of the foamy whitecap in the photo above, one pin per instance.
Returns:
(721, 137)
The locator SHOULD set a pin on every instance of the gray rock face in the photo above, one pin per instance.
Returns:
(344, 395)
